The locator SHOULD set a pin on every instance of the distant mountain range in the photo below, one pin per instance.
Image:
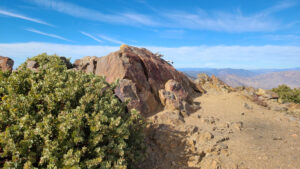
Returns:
(260, 78)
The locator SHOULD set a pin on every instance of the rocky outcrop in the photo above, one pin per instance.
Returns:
(6, 64)
(145, 73)
(267, 94)
(32, 65)
(86, 64)
(204, 83)
(175, 97)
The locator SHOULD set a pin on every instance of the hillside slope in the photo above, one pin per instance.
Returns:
(265, 81)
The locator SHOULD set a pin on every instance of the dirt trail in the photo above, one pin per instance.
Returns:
(267, 139)
(229, 131)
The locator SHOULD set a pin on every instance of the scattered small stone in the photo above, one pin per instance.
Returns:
(226, 125)
(238, 125)
(242, 113)
(294, 135)
(206, 136)
(211, 164)
(280, 109)
(248, 106)
(222, 139)
(191, 129)
(199, 117)
(209, 120)
(222, 146)
(196, 159)
(195, 129)
(277, 138)
(230, 131)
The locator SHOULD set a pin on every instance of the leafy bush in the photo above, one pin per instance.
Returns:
(287, 94)
(60, 118)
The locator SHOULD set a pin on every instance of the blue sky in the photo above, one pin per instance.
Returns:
(217, 33)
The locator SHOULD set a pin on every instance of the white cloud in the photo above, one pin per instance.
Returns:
(91, 14)
(110, 39)
(20, 16)
(248, 57)
(91, 36)
(47, 34)
(221, 21)
(278, 7)
(20, 51)
(262, 21)
(228, 22)
(104, 37)
(217, 20)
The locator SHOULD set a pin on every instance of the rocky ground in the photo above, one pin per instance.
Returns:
(202, 124)
(229, 131)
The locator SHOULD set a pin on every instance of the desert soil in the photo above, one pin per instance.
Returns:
(229, 131)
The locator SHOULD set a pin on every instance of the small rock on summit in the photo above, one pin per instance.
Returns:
(6, 64)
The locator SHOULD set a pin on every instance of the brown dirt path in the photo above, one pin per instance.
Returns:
(224, 134)
(267, 139)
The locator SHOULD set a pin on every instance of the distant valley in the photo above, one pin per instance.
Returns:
(260, 78)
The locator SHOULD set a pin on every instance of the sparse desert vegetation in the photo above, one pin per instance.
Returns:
(54, 117)
(287, 94)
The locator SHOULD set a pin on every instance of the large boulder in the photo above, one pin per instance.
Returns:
(6, 64)
(146, 74)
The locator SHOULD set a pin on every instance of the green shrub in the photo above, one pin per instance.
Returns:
(60, 118)
(287, 94)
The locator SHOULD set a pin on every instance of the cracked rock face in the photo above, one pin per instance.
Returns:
(146, 72)
(6, 64)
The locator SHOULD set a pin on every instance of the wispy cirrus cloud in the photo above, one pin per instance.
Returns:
(47, 34)
(229, 22)
(237, 21)
(91, 36)
(110, 39)
(220, 21)
(23, 17)
(103, 37)
(91, 14)
(277, 7)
